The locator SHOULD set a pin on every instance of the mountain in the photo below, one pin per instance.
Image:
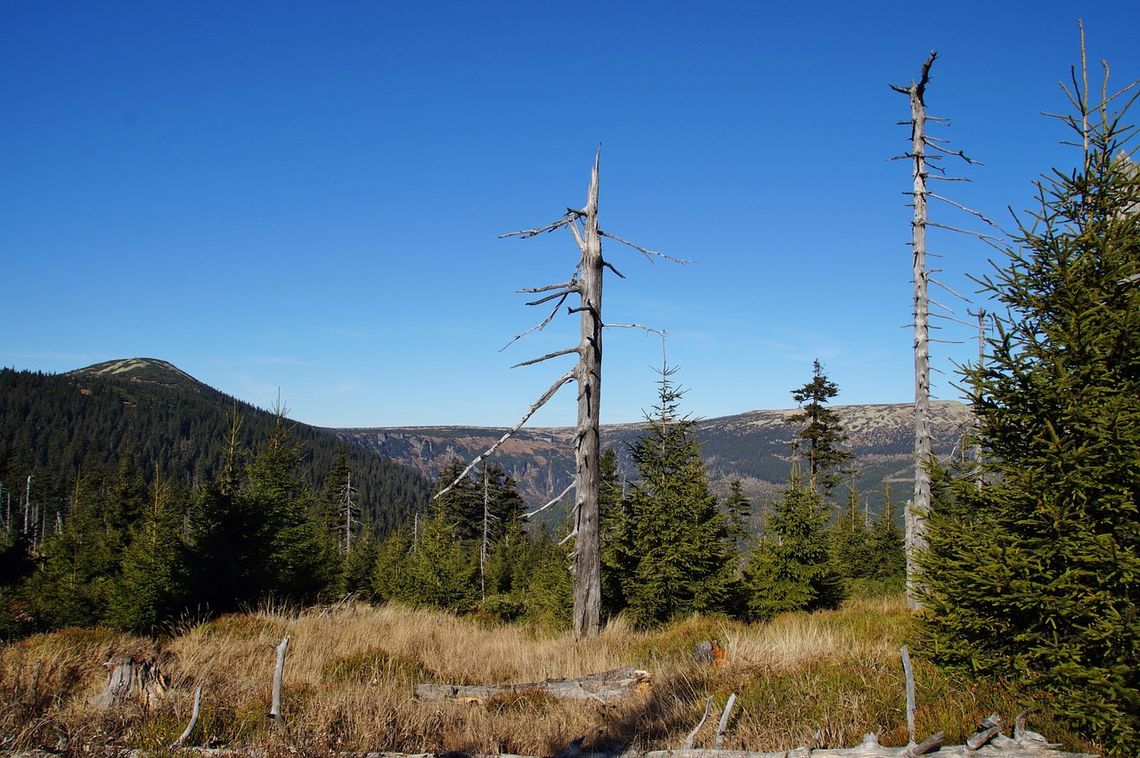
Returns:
(145, 370)
(55, 426)
(753, 447)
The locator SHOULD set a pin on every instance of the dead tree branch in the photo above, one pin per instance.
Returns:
(568, 376)
(557, 498)
(649, 254)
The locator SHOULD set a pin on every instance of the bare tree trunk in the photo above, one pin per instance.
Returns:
(486, 535)
(587, 448)
(587, 373)
(919, 505)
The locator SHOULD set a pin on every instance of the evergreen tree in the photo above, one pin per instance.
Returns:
(851, 540)
(505, 504)
(303, 554)
(616, 535)
(390, 574)
(1036, 574)
(549, 597)
(790, 569)
(358, 566)
(462, 505)
(438, 571)
(126, 501)
(822, 431)
(886, 550)
(152, 587)
(683, 552)
(738, 513)
(231, 538)
(78, 565)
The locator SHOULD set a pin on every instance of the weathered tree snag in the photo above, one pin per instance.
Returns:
(586, 282)
(722, 727)
(919, 505)
(586, 571)
(605, 687)
(693, 734)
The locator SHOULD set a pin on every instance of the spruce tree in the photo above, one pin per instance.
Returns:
(886, 549)
(505, 504)
(1036, 574)
(304, 559)
(738, 513)
(153, 585)
(77, 565)
(462, 505)
(616, 535)
(822, 431)
(683, 552)
(850, 540)
(790, 569)
(438, 571)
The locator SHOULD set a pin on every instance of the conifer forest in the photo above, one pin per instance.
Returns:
(157, 505)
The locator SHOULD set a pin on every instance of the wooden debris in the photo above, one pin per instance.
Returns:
(604, 687)
(278, 675)
(693, 734)
(724, 717)
(193, 719)
(132, 677)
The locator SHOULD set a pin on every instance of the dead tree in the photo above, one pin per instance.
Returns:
(351, 511)
(922, 167)
(920, 503)
(586, 283)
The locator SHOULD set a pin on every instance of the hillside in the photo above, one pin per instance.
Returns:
(752, 447)
(53, 426)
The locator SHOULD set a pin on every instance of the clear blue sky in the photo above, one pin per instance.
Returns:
(307, 196)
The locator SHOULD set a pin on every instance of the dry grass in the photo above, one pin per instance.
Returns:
(350, 671)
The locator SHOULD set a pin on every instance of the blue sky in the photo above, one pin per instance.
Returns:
(308, 196)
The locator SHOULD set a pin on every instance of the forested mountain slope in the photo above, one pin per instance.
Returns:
(54, 427)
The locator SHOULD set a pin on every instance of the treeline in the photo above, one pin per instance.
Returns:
(669, 546)
(138, 552)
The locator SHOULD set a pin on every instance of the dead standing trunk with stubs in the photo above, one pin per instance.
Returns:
(586, 282)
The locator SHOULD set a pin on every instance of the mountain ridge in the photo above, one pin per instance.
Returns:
(752, 446)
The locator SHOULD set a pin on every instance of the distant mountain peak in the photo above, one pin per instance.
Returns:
(140, 370)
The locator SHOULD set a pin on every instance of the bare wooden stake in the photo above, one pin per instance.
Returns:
(908, 674)
(723, 726)
(278, 675)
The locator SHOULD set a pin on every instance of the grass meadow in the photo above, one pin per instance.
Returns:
(350, 670)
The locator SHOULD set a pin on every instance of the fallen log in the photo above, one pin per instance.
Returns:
(604, 687)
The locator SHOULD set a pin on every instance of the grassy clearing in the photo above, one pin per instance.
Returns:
(350, 672)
